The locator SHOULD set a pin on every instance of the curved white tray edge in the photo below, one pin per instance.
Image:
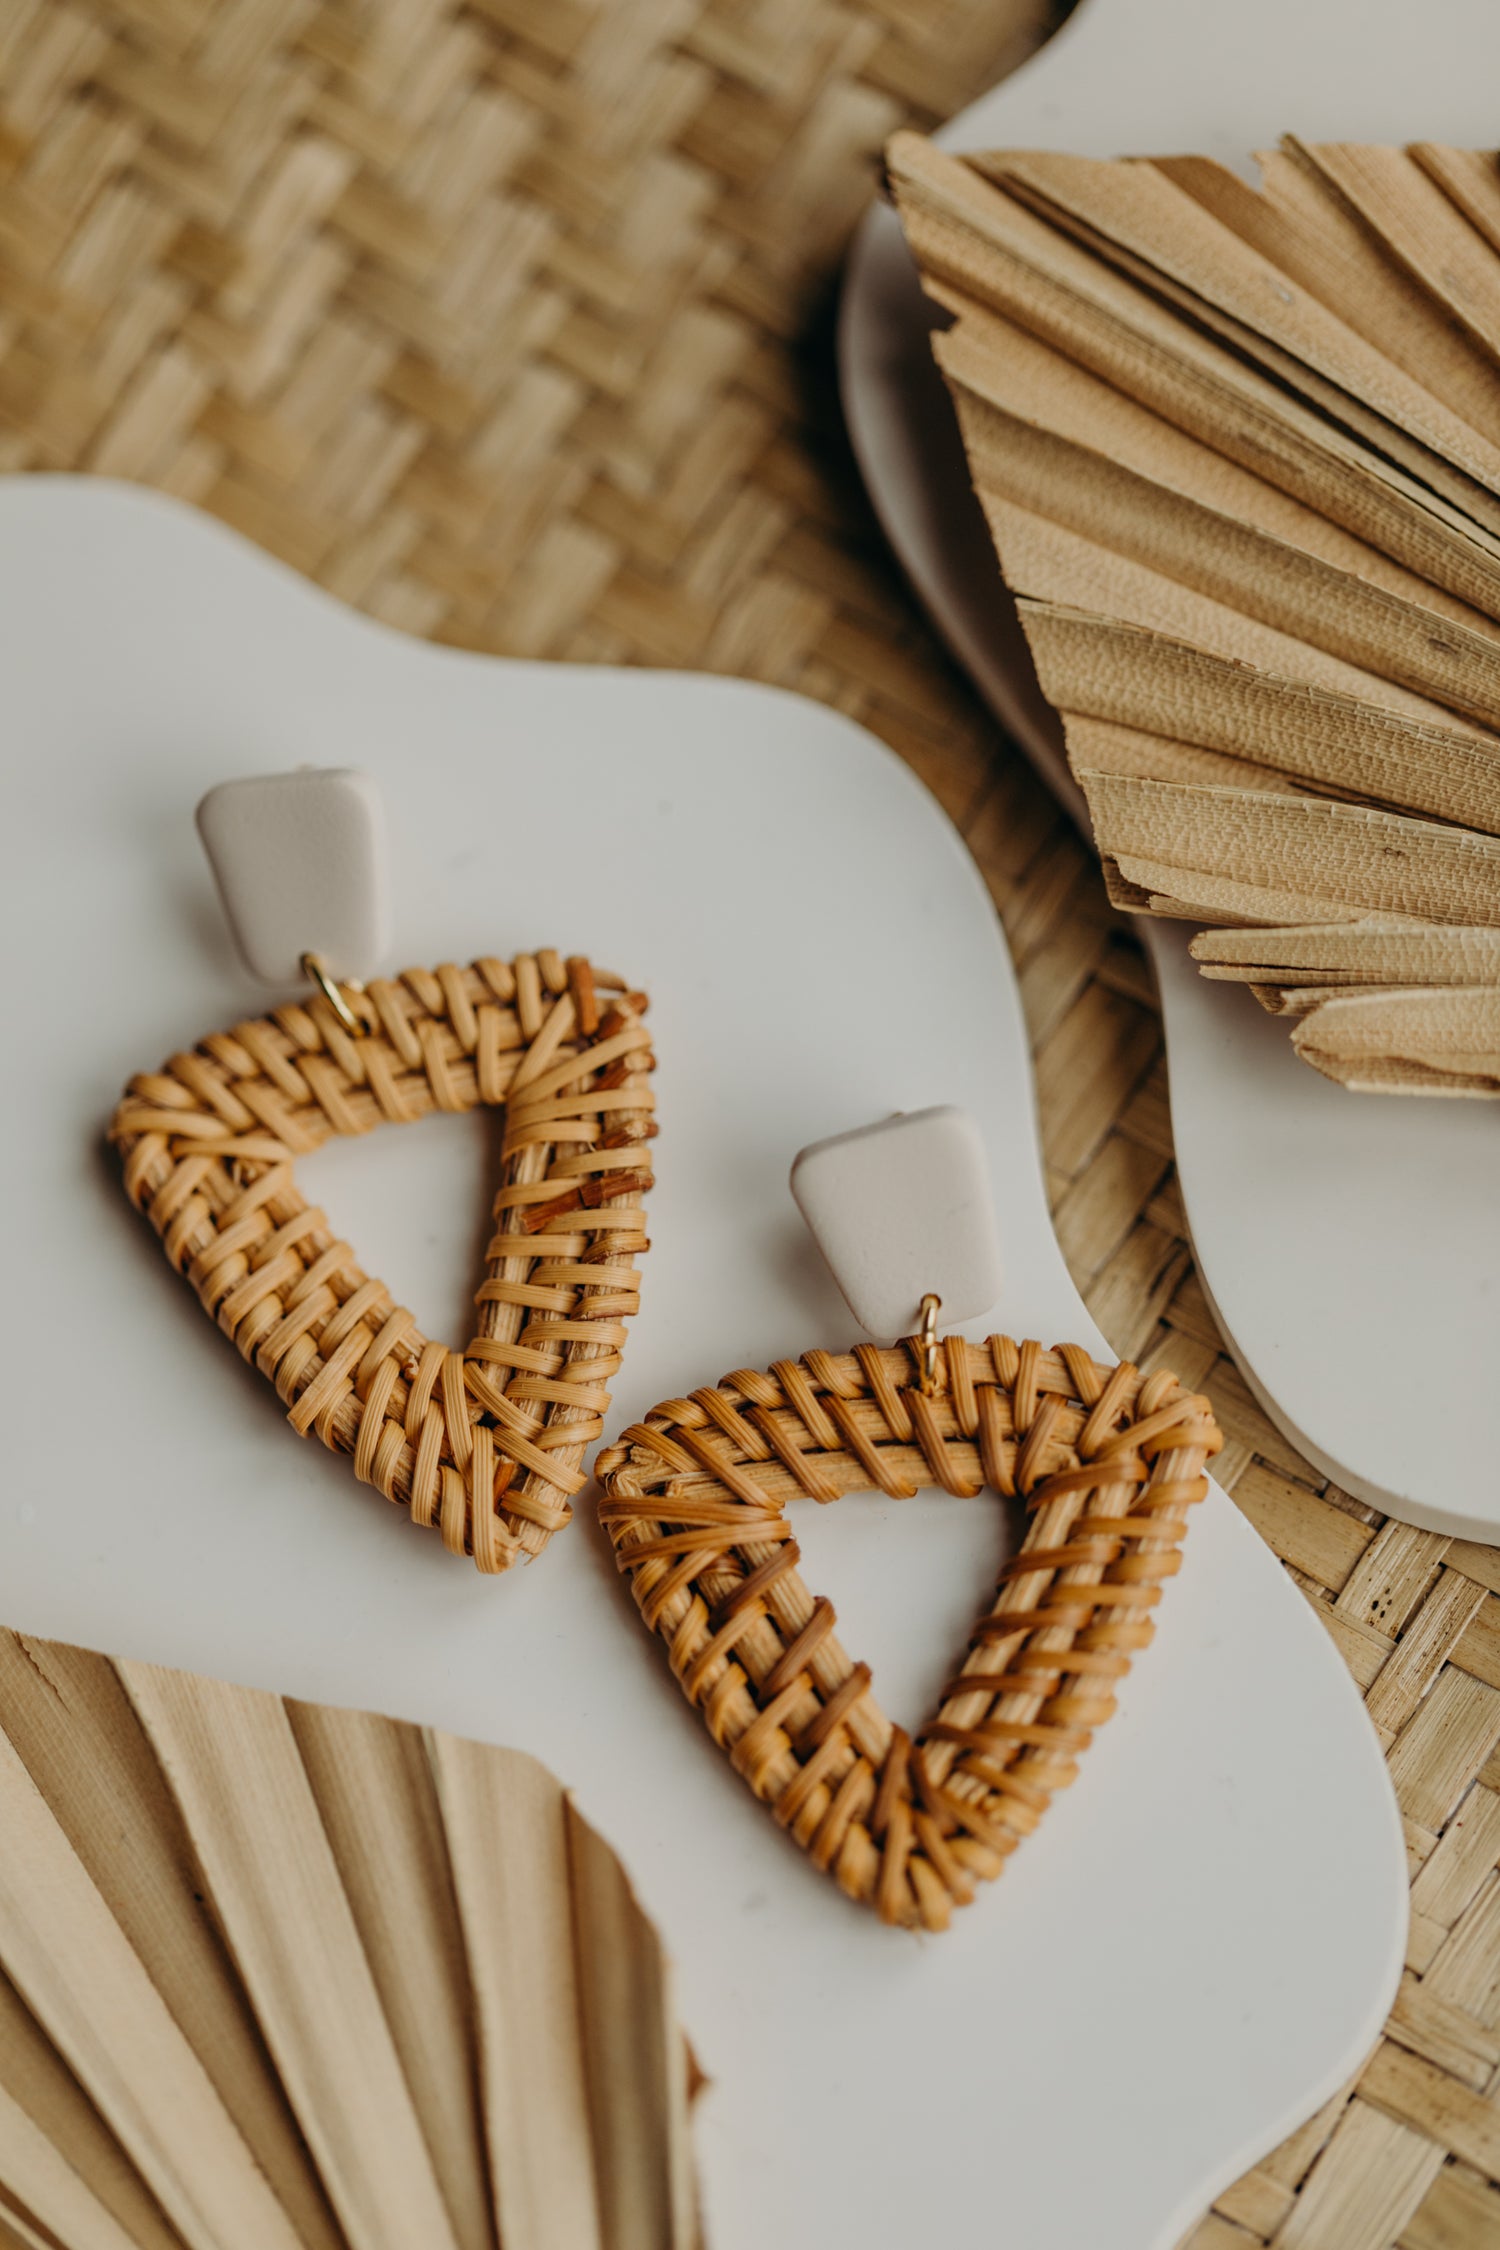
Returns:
(180, 614)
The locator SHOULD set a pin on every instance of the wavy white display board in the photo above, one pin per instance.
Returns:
(1202, 1940)
(1350, 1244)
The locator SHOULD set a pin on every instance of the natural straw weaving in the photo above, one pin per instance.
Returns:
(509, 324)
(485, 1443)
(1105, 1462)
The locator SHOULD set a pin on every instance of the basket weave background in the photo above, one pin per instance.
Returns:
(510, 322)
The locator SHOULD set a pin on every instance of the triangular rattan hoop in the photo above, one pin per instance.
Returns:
(486, 1443)
(1107, 1462)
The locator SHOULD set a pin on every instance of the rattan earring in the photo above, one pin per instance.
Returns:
(484, 1444)
(1105, 1461)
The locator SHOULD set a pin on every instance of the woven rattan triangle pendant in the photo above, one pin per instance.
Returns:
(484, 1444)
(1106, 1462)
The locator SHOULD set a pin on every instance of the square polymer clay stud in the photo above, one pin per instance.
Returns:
(902, 1210)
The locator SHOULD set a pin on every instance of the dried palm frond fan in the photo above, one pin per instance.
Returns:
(276, 1975)
(1239, 451)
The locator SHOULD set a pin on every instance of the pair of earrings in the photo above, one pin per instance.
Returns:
(487, 1444)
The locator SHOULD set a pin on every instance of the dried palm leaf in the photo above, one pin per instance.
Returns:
(278, 1977)
(1239, 450)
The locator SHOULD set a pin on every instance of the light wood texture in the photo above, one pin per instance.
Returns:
(1237, 449)
(621, 445)
(453, 2078)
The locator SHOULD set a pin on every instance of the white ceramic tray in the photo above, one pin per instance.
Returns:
(1350, 1244)
(1203, 1939)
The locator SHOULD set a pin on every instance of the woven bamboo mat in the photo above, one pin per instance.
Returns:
(510, 322)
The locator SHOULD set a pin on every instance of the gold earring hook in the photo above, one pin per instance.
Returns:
(315, 971)
(927, 1336)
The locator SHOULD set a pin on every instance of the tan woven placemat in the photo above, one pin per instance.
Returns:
(510, 323)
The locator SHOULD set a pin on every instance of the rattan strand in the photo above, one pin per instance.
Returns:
(1106, 1463)
(485, 1444)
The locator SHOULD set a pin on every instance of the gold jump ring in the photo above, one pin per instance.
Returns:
(928, 1338)
(314, 970)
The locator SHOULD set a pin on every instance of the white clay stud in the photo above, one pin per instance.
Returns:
(902, 1210)
(300, 862)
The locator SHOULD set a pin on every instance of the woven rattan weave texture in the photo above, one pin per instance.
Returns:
(508, 322)
(1105, 1463)
(485, 1443)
